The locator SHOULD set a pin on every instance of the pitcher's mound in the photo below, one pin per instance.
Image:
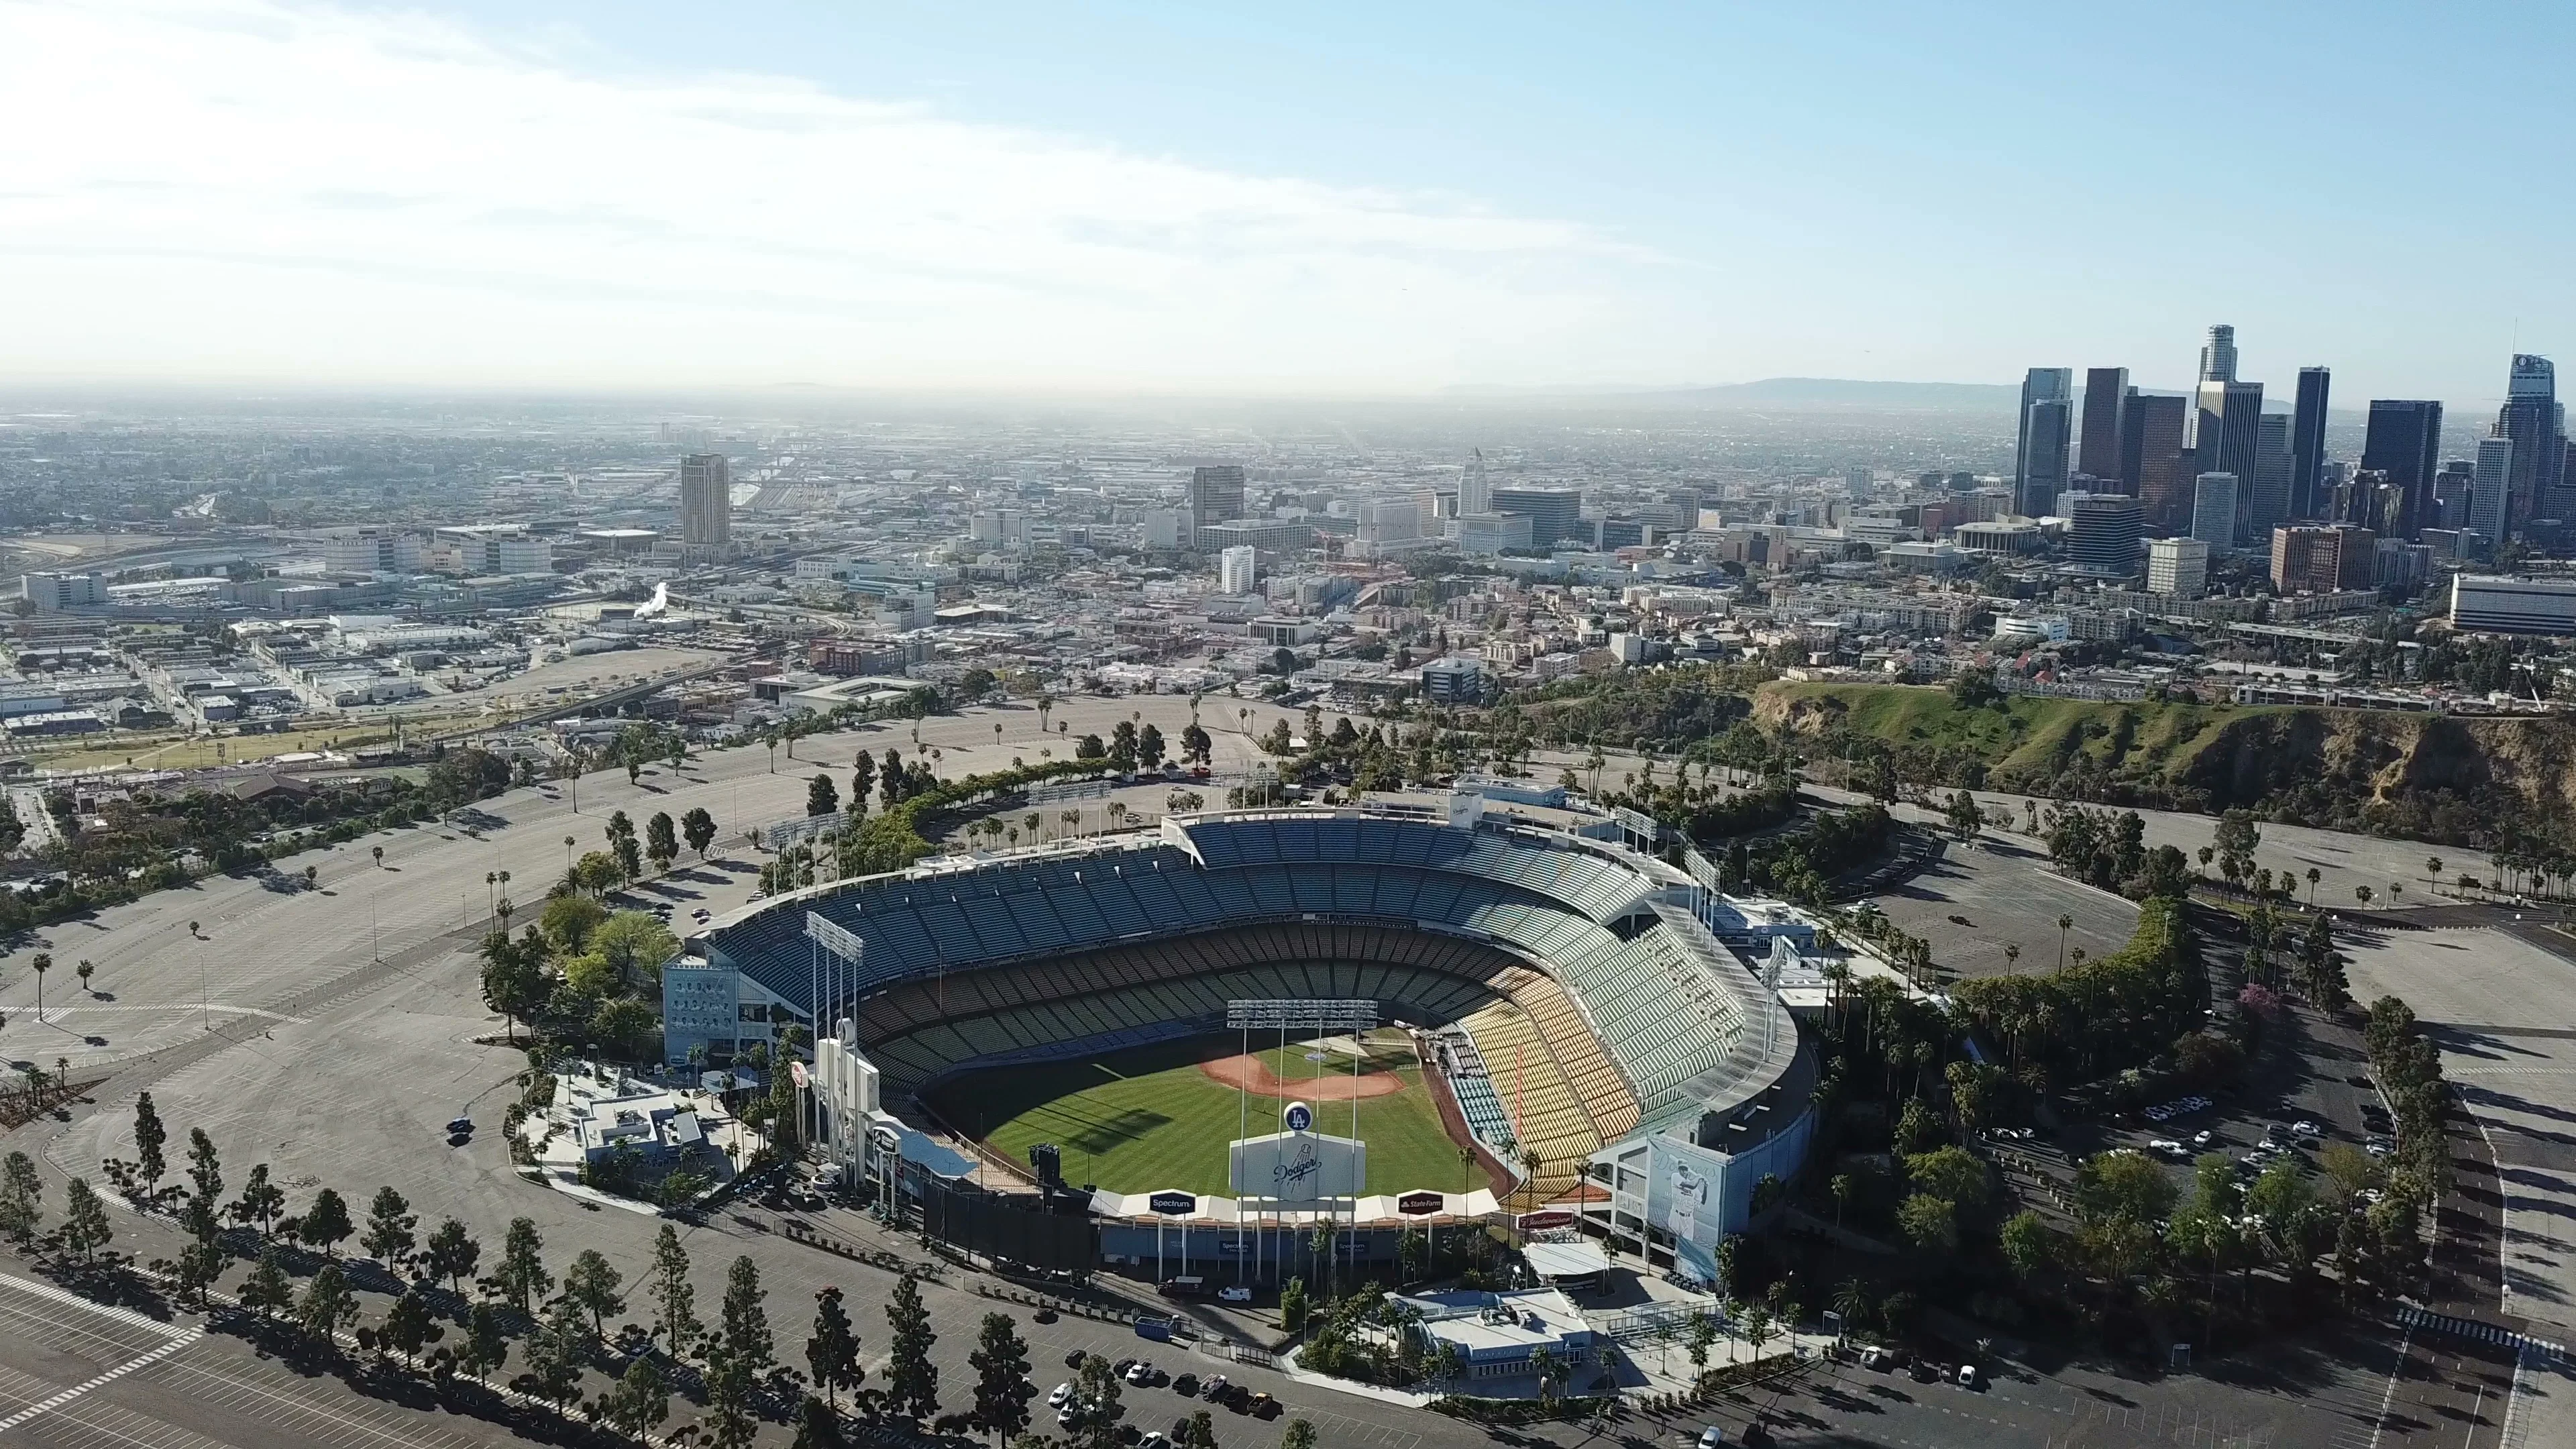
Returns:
(1252, 1074)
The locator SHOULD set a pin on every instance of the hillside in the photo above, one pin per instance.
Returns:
(2427, 777)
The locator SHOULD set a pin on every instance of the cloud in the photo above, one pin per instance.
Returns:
(230, 187)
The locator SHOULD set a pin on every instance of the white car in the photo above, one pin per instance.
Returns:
(1061, 1395)
(2307, 1129)
(1967, 1376)
(2165, 1145)
(1712, 1437)
(2201, 1139)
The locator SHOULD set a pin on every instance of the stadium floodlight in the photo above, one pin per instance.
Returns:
(1294, 1015)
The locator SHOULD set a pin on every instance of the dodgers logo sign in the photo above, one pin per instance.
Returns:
(1306, 1167)
(1299, 1117)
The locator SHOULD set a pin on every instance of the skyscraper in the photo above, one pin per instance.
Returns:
(2218, 355)
(1475, 492)
(2308, 443)
(2152, 464)
(2490, 489)
(2530, 418)
(2268, 501)
(2106, 401)
(2213, 511)
(2104, 533)
(1216, 496)
(2042, 385)
(2404, 441)
(706, 502)
(1236, 569)
(1555, 514)
(2227, 437)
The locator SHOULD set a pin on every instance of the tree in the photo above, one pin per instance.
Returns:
(743, 1330)
(698, 827)
(85, 1229)
(591, 1283)
(676, 1319)
(1149, 747)
(408, 1327)
(450, 1254)
(632, 945)
(514, 982)
(818, 1425)
(554, 1354)
(205, 1183)
(487, 1343)
(1930, 1223)
(1301, 1435)
(1098, 1387)
(266, 1291)
(1292, 1305)
(149, 1135)
(822, 797)
(325, 1224)
(22, 1196)
(1002, 1387)
(1965, 817)
(1700, 1333)
(2363, 893)
(2433, 868)
(638, 1402)
(328, 1306)
(389, 1224)
(2028, 1244)
(832, 1349)
(521, 1274)
(912, 1380)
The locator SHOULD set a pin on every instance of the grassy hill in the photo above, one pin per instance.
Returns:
(2425, 777)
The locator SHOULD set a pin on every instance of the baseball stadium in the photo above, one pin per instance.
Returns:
(1464, 1013)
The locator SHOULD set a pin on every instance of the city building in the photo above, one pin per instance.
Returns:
(2268, 504)
(2404, 441)
(2213, 511)
(2104, 533)
(2041, 477)
(2531, 421)
(2218, 355)
(2323, 558)
(2152, 463)
(2513, 606)
(2178, 567)
(373, 550)
(2308, 442)
(2490, 491)
(1216, 496)
(2106, 400)
(1478, 533)
(1456, 679)
(1555, 515)
(1237, 568)
(706, 503)
(50, 592)
(2402, 565)
(1475, 493)
(2227, 437)
(1272, 535)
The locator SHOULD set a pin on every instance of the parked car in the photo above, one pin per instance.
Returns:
(1234, 1293)
(1074, 1359)
(1187, 1386)
(1216, 1387)
(2309, 1130)
(1712, 1437)
(1967, 1376)
(1059, 1396)
(461, 1124)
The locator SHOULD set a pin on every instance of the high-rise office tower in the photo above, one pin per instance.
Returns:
(706, 501)
(2104, 533)
(2042, 385)
(2227, 437)
(2404, 441)
(2451, 493)
(2152, 466)
(2308, 443)
(1475, 492)
(2045, 474)
(2530, 419)
(2218, 355)
(1555, 514)
(2490, 490)
(2213, 511)
(2177, 566)
(2106, 401)
(2267, 503)
(1237, 569)
(1216, 496)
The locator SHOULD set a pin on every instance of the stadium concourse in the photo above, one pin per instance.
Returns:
(1577, 1006)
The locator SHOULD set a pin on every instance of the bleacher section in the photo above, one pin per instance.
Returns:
(1541, 1105)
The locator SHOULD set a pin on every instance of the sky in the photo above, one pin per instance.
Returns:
(1323, 199)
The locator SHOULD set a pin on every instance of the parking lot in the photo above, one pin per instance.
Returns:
(1980, 897)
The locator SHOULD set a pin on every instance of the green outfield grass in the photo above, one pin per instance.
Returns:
(1148, 1119)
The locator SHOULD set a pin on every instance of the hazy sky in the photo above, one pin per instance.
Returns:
(1319, 197)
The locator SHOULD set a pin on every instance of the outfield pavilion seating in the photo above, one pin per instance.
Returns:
(965, 960)
(1540, 1101)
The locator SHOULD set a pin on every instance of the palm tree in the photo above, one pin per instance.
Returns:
(997, 734)
(2433, 867)
(568, 845)
(2064, 924)
(43, 961)
(2012, 957)
(2314, 875)
(1072, 821)
(85, 969)
(379, 853)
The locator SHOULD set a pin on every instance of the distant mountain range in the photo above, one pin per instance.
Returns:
(1789, 393)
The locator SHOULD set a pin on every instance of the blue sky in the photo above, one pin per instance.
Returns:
(1351, 197)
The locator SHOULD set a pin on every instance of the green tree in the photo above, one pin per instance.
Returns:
(568, 921)
(661, 840)
(408, 1327)
(698, 828)
(514, 980)
(639, 1401)
(487, 1343)
(389, 1227)
(1002, 1387)
(2028, 1243)
(22, 1196)
(822, 797)
(743, 1328)
(451, 1253)
(1293, 1306)
(1300, 1435)
(521, 1274)
(634, 945)
(2122, 1184)
(149, 1135)
(675, 1318)
(328, 1306)
(205, 1185)
(912, 1380)
(85, 1229)
(554, 1354)
(326, 1224)
(1930, 1223)
(832, 1349)
(266, 1291)
(591, 1284)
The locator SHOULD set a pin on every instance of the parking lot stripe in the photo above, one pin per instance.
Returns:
(46, 1406)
